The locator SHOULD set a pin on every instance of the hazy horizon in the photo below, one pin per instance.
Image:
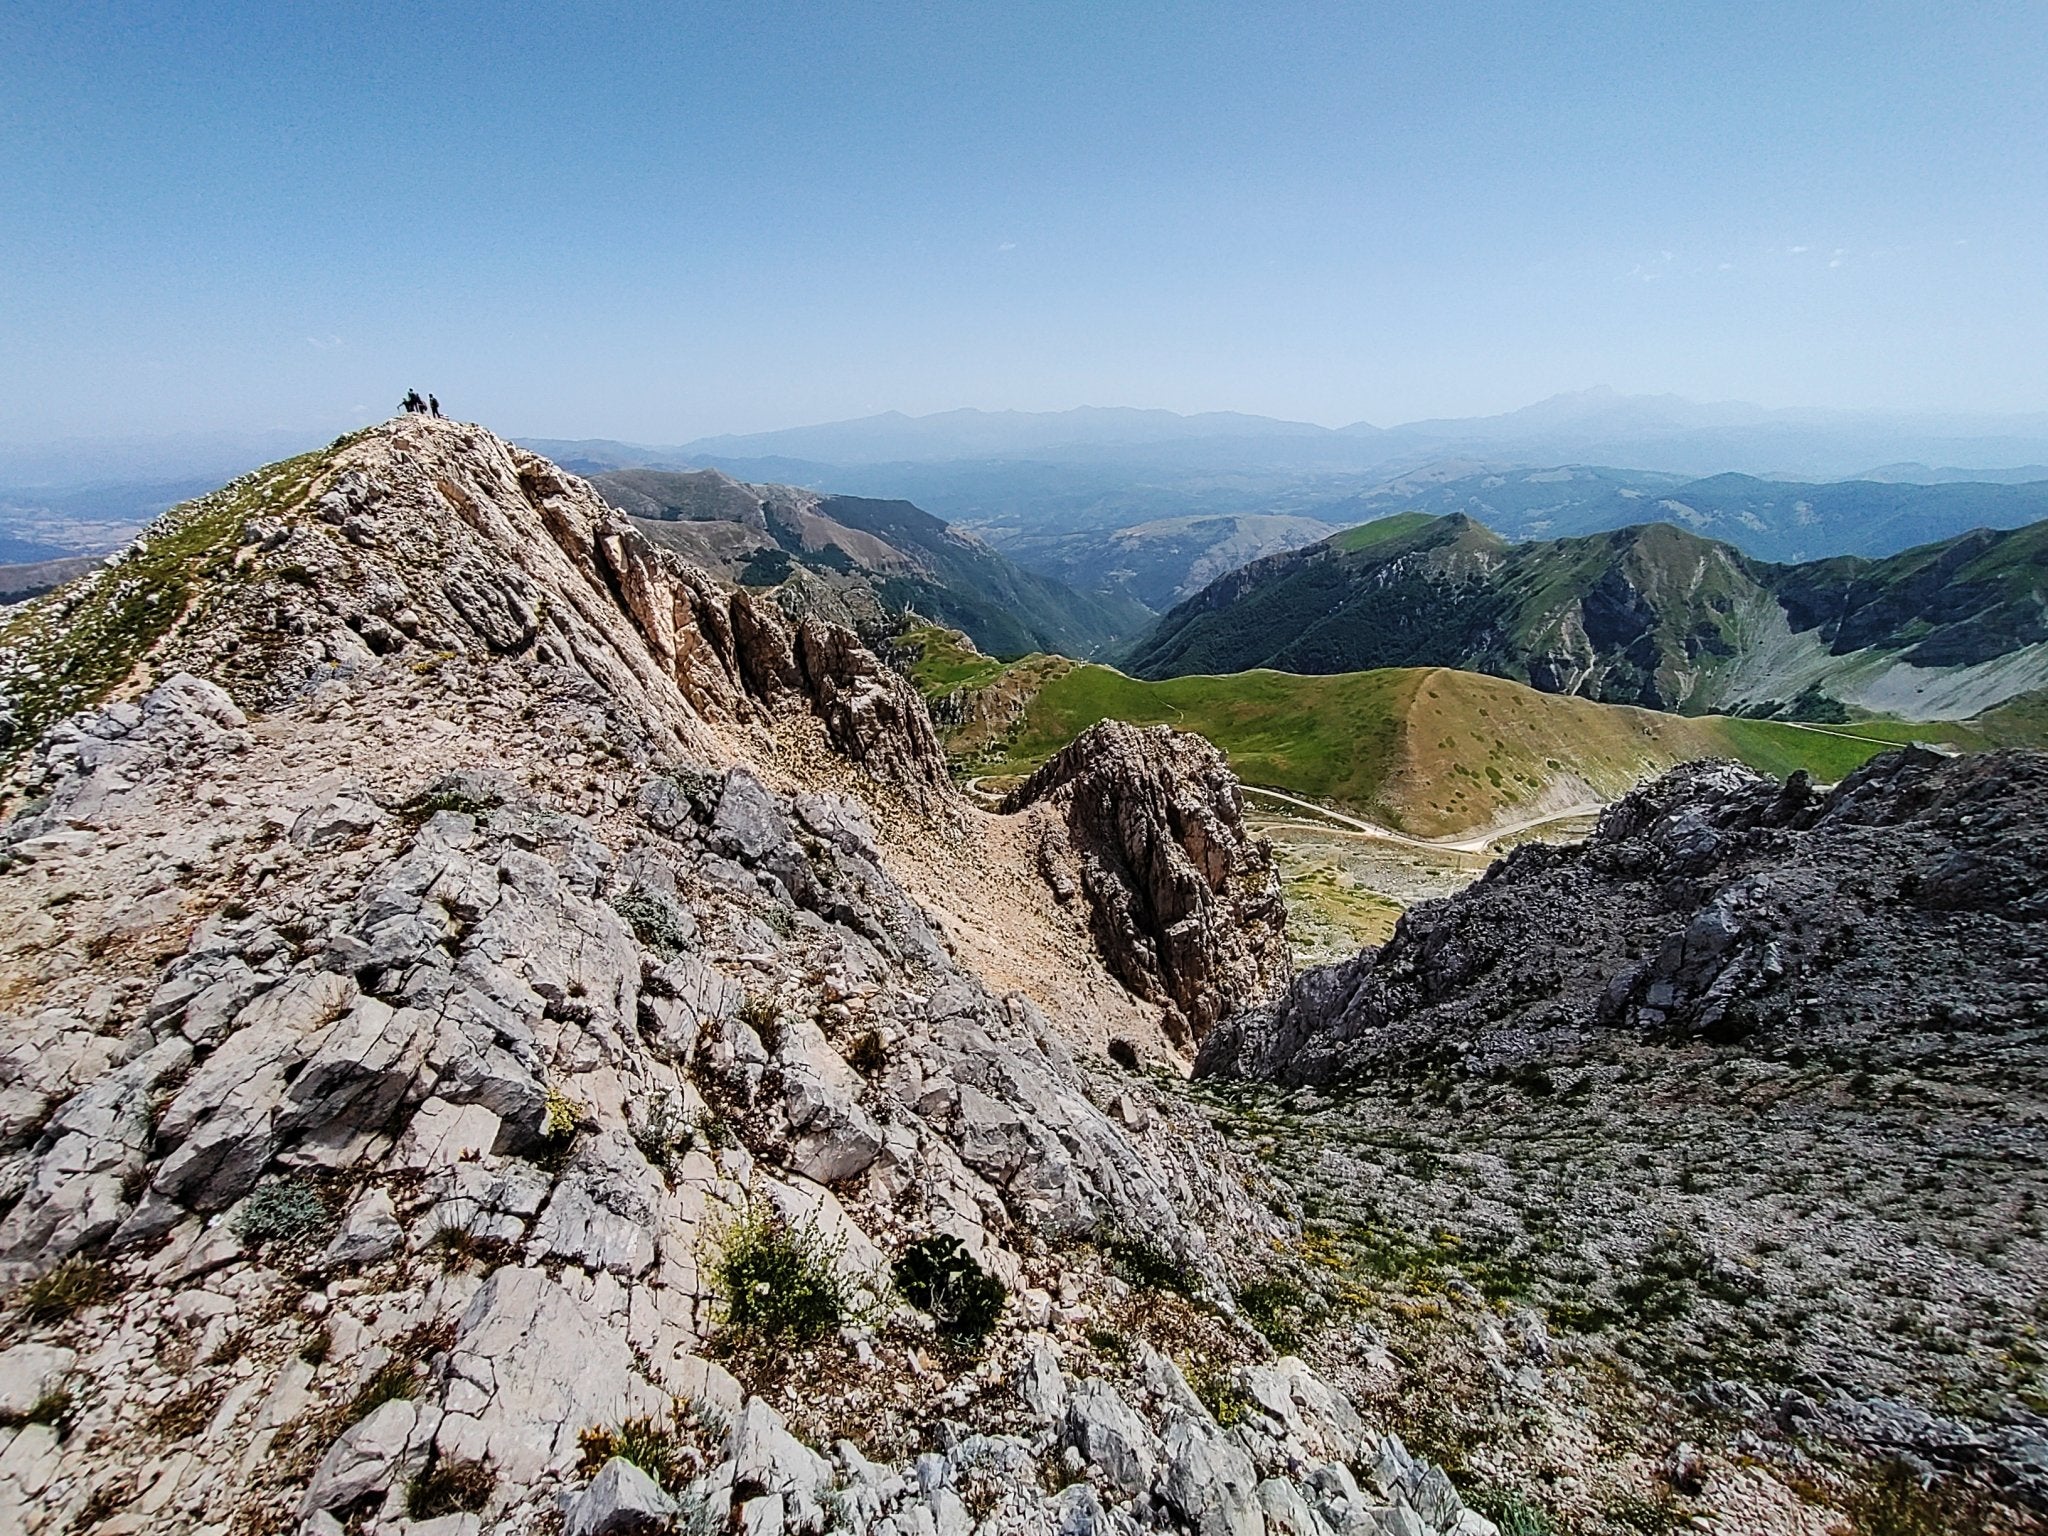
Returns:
(620, 222)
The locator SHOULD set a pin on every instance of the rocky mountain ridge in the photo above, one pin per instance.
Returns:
(473, 1062)
(1649, 615)
(881, 558)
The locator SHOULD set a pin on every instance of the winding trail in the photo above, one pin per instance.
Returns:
(1478, 844)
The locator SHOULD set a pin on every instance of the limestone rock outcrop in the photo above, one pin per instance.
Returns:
(1185, 903)
(408, 1007)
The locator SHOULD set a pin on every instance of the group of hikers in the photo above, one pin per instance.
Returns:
(413, 405)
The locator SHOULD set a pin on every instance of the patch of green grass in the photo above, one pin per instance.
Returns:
(66, 651)
(1381, 530)
(945, 661)
(70, 1288)
(1515, 1513)
(778, 1281)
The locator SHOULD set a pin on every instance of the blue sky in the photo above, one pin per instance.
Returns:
(657, 222)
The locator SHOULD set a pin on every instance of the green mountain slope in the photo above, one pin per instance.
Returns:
(1649, 615)
(880, 559)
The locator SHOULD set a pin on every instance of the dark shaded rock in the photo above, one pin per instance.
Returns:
(1186, 906)
(1713, 904)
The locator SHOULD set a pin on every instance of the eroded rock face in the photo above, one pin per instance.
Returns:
(1715, 904)
(1185, 904)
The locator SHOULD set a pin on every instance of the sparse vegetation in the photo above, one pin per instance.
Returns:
(561, 1117)
(62, 1292)
(778, 1280)
(286, 1210)
(652, 1446)
(938, 1275)
(1515, 1513)
(67, 650)
(449, 1486)
(53, 1408)
(657, 922)
(187, 1411)
(1141, 1263)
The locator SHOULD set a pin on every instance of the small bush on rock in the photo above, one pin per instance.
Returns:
(283, 1210)
(450, 1487)
(1279, 1309)
(656, 921)
(1515, 1514)
(561, 1117)
(649, 1444)
(71, 1287)
(779, 1280)
(938, 1275)
(1139, 1263)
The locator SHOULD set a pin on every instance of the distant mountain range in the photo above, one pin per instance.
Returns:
(1660, 432)
(1148, 505)
(1784, 520)
(866, 561)
(1650, 615)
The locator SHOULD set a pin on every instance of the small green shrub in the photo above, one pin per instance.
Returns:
(1227, 1403)
(779, 1280)
(72, 1286)
(1139, 1263)
(561, 1117)
(1515, 1514)
(1279, 1309)
(656, 921)
(938, 1275)
(285, 1210)
(450, 1487)
(650, 1445)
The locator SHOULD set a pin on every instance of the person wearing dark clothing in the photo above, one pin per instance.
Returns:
(413, 405)
(433, 406)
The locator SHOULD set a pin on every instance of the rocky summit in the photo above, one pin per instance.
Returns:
(504, 1032)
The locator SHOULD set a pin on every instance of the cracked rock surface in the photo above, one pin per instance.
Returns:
(462, 921)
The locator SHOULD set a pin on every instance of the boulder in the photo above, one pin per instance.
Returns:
(621, 1500)
(1185, 905)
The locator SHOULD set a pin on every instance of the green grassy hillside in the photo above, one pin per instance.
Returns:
(1433, 752)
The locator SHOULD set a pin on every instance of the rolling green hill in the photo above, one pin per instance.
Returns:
(884, 558)
(1429, 751)
(1649, 615)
